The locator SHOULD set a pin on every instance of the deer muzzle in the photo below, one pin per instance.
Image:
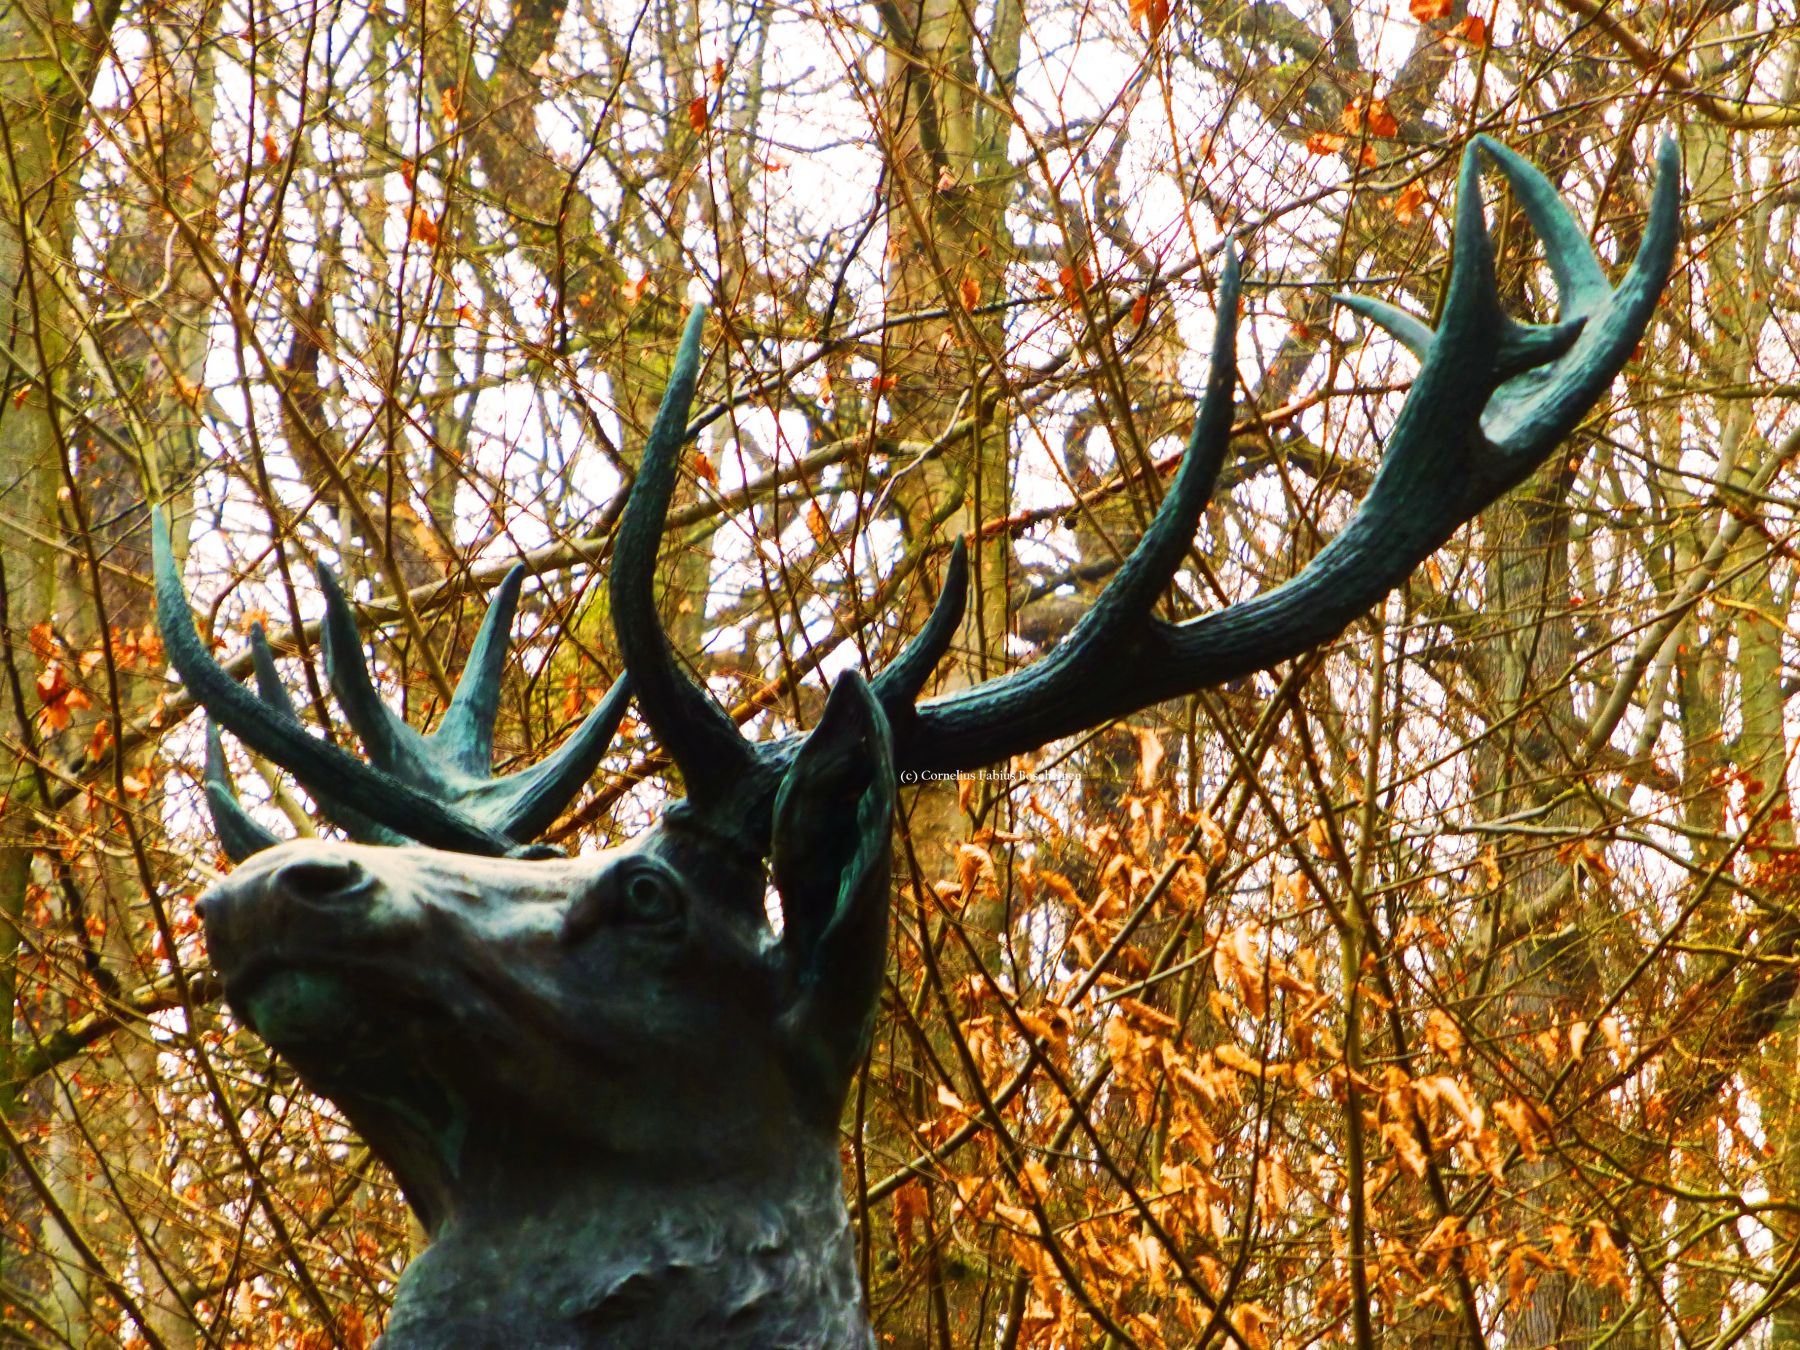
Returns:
(293, 930)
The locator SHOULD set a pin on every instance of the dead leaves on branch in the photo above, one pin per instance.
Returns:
(65, 679)
(1152, 1081)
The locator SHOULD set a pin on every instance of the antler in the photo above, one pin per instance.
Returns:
(1493, 398)
(718, 764)
(431, 789)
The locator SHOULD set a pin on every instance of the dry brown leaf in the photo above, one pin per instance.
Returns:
(1522, 1121)
(1406, 1148)
(1606, 1264)
(1443, 1035)
(1610, 1033)
(1150, 758)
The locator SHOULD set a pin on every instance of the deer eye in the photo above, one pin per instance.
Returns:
(637, 898)
(646, 899)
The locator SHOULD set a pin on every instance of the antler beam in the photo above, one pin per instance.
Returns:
(1493, 399)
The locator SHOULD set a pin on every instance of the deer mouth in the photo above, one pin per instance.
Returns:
(293, 1006)
(301, 1006)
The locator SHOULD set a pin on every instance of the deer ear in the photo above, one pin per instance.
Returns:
(834, 818)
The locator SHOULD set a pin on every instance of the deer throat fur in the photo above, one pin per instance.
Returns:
(645, 1272)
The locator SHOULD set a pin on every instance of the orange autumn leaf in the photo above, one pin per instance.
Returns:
(1472, 30)
(1407, 204)
(1520, 1278)
(817, 525)
(1150, 16)
(703, 468)
(1606, 1264)
(697, 114)
(1443, 1035)
(1325, 143)
(449, 105)
(1615, 1039)
(149, 645)
(53, 683)
(1406, 1148)
(421, 226)
(1140, 309)
(1429, 11)
(911, 1204)
(969, 292)
(1370, 114)
(1073, 282)
(1521, 1119)
(61, 699)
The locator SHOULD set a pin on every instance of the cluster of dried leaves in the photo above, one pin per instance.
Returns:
(1116, 1099)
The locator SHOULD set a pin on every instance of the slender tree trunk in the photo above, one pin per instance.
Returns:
(36, 213)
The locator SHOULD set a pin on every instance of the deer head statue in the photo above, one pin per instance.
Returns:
(609, 1087)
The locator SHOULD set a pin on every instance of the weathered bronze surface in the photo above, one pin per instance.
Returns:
(610, 1090)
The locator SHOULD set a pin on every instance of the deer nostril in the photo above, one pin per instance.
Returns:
(323, 881)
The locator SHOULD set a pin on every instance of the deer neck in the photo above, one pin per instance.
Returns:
(617, 1258)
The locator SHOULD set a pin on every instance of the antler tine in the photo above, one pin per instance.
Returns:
(1473, 321)
(466, 730)
(1526, 422)
(1580, 280)
(1410, 331)
(274, 734)
(1492, 399)
(390, 743)
(1055, 696)
(268, 680)
(452, 761)
(239, 833)
(528, 801)
(270, 688)
(898, 685)
(697, 734)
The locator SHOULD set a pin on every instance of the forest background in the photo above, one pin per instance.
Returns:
(1437, 989)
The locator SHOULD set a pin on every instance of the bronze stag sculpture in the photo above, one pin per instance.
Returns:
(609, 1089)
